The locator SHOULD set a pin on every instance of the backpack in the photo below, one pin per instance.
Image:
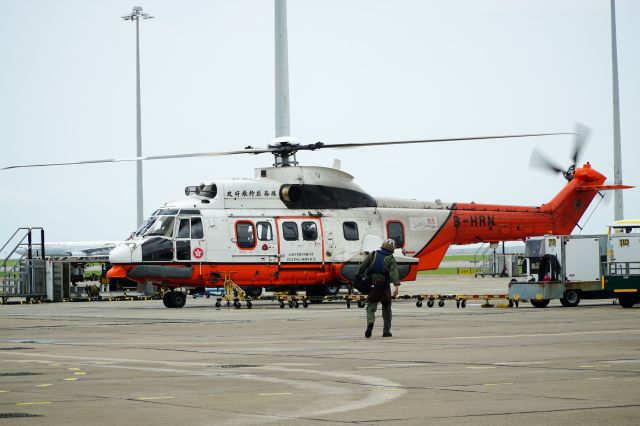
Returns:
(363, 282)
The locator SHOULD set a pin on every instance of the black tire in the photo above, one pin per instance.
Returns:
(167, 299)
(627, 301)
(571, 298)
(419, 304)
(440, 303)
(281, 305)
(463, 304)
(540, 303)
(430, 303)
(218, 304)
(332, 290)
(254, 292)
(179, 299)
(249, 304)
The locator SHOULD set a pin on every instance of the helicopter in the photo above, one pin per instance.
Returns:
(296, 227)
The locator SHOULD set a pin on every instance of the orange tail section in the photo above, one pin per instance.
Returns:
(478, 223)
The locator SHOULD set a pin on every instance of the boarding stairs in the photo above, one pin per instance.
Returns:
(22, 265)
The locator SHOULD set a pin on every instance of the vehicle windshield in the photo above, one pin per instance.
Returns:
(163, 226)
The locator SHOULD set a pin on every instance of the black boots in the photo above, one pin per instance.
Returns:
(367, 333)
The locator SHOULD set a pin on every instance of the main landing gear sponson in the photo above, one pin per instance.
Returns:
(174, 299)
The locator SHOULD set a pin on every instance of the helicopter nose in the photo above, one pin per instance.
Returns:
(120, 254)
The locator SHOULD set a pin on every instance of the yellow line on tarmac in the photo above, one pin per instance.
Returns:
(44, 385)
(3, 391)
(153, 398)
(275, 393)
(34, 403)
(74, 369)
(80, 373)
(70, 379)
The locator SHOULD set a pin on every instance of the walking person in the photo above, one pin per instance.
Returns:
(383, 270)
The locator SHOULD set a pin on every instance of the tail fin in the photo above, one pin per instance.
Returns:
(569, 205)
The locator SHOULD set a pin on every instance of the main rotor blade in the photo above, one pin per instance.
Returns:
(359, 144)
(582, 134)
(543, 162)
(147, 158)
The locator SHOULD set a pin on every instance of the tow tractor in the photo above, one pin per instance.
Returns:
(622, 272)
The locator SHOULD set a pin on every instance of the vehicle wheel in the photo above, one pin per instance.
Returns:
(305, 304)
(540, 303)
(249, 304)
(296, 304)
(627, 301)
(430, 303)
(281, 305)
(218, 304)
(463, 304)
(419, 304)
(236, 304)
(179, 299)
(348, 304)
(167, 299)
(361, 304)
(441, 303)
(571, 298)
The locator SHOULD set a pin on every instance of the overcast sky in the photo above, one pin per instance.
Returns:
(359, 71)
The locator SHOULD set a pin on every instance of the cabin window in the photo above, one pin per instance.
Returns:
(196, 228)
(395, 231)
(264, 231)
(184, 231)
(290, 231)
(245, 235)
(350, 231)
(309, 231)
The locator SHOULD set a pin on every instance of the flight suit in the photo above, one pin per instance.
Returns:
(381, 293)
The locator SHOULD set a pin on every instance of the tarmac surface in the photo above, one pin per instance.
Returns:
(136, 362)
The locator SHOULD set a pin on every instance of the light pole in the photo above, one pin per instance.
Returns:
(135, 16)
(617, 150)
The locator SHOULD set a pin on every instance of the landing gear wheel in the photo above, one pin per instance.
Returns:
(571, 298)
(167, 299)
(332, 290)
(179, 299)
(540, 303)
(254, 291)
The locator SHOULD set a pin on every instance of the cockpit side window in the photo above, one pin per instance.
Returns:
(183, 228)
(196, 228)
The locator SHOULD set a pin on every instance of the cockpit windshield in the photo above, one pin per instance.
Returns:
(162, 226)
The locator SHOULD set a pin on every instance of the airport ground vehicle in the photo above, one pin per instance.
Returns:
(622, 272)
(562, 267)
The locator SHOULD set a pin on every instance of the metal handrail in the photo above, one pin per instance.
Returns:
(623, 268)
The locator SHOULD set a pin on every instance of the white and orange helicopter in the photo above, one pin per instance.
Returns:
(306, 227)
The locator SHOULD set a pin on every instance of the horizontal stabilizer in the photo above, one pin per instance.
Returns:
(602, 187)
